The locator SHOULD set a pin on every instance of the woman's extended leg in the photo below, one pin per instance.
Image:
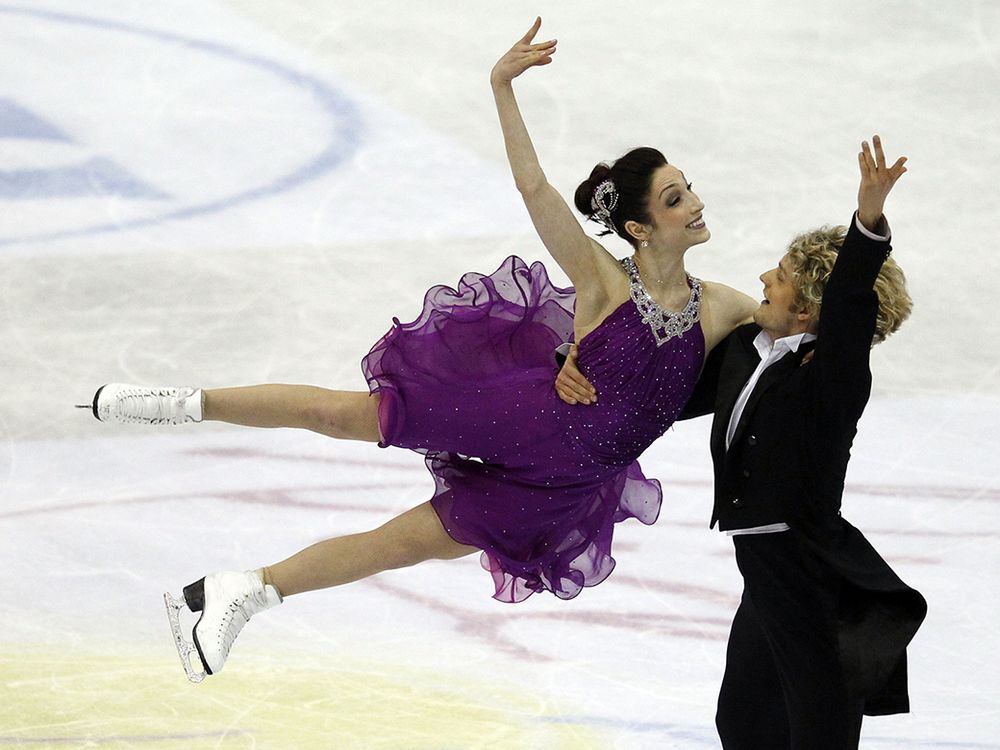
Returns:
(409, 538)
(349, 415)
(228, 600)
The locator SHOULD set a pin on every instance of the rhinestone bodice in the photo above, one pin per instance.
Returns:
(473, 377)
(665, 324)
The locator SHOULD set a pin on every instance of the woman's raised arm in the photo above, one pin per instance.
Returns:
(554, 221)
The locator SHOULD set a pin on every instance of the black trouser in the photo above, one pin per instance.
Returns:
(784, 688)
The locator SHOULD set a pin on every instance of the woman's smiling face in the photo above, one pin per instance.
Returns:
(675, 211)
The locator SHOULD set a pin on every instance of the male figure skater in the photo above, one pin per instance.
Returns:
(820, 636)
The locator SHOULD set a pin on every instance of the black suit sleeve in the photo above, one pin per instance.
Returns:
(847, 325)
(702, 401)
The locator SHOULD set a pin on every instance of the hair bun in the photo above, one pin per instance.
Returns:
(584, 195)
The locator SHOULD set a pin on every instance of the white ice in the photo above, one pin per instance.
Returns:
(223, 193)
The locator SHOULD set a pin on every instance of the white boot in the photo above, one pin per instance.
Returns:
(136, 404)
(226, 601)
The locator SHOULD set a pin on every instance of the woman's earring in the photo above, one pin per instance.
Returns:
(644, 243)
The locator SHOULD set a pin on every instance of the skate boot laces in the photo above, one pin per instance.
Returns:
(237, 614)
(134, 404)
(226, 602)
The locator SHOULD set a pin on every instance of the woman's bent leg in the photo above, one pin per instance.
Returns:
(228, 600)
(349, 415)
(407, 539)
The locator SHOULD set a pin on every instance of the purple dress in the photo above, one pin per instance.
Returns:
(535, 483)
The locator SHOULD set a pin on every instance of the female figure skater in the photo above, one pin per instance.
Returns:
(472, 378)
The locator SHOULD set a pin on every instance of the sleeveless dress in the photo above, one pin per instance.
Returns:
(535, 483)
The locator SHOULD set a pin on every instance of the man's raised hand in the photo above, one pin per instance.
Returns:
(876, 181)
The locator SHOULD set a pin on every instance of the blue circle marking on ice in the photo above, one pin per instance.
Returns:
(344, 137)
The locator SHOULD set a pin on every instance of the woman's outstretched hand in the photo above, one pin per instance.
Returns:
(876, 181)
(523, 55)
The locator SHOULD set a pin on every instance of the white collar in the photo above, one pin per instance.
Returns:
(769, 348)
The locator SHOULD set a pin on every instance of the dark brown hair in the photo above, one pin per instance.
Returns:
(632, 175)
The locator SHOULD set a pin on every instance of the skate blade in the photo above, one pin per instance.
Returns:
(184, 647)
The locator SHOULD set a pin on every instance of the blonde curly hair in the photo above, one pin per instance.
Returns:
(812, 256)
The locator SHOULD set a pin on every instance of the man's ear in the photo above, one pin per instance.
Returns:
(808, 316)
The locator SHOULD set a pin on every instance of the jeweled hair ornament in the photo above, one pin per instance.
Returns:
(605, 201)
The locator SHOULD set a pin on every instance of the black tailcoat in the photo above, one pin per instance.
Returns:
(788, 459)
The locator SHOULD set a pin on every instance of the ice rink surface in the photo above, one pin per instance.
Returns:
(219, 193)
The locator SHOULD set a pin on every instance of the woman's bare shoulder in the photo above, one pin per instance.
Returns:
(724, 308)
(731, 302)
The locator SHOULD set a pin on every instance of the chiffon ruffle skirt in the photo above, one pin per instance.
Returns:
(470, 384)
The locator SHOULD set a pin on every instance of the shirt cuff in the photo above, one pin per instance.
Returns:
(870, 234)
(561, 353)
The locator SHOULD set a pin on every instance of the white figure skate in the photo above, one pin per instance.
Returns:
(226, 601)
(137, 404)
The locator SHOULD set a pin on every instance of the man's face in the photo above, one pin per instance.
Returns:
(778, 314)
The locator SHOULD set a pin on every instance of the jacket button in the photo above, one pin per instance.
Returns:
(737, 503)
(752, 440)
(746, 473)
